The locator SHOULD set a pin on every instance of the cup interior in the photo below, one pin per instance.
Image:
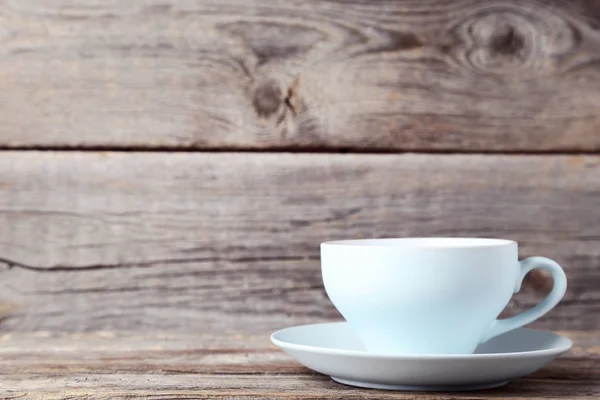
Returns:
(432, 242)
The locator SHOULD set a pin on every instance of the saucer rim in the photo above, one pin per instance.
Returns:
(554, 351)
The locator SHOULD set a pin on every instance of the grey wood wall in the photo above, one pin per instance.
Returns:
(174, 164)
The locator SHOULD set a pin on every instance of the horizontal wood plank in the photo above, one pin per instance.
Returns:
(222, 242)
(447, 75)
(114, 365)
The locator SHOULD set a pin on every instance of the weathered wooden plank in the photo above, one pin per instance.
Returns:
(197, 386)
(223, 242)
(114, 365)
(466, 75)
(240, 353)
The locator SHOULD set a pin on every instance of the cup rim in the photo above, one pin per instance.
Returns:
(450, 242)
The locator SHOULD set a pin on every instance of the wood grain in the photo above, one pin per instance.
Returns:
(154, 365)
(444, 75)
(222, 242)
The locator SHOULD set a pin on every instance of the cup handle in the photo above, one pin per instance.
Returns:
(559, 287)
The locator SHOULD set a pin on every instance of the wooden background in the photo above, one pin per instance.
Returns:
(173, 165)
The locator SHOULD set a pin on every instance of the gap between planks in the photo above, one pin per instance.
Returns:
(299, 150)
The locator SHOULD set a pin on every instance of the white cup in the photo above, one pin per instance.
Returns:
(430, 295)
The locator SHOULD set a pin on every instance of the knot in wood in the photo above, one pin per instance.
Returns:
(510, 39)
(267, 98)
(507, 42)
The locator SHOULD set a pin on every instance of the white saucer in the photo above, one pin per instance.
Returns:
(332, 349)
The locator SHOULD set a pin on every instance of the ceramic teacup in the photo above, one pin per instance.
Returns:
(430, 295)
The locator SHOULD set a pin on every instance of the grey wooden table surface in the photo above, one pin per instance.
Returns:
(108, 365)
